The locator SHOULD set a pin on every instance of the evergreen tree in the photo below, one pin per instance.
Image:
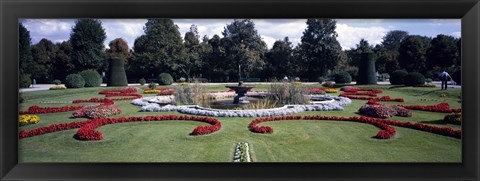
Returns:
(280, 60)
(391, 41)
(117, 55)
(159, 50)
(62, 61)
(244, 47)
(42, 66)
(320, 48)
(192, 63)
(24, 50)
(87, 38)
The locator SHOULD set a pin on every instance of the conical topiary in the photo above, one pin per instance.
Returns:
(117, 75)
(366, 70)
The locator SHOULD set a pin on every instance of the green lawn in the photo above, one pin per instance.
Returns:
(292, 141)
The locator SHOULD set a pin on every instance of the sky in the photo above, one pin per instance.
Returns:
(350, 31)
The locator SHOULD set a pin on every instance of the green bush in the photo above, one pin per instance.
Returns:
(428, 80)
(74, 81)
(24, 81)
(152, 85)
(414, 79)
(343, 77)
(320, 80)
(117, 75)
(142, 81)
(457, 77)
(165, 79)
(328, 84)
(92, 78)
(57, 82)
(397, 77)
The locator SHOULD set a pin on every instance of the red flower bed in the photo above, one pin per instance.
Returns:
(386, 130)
(442, 107)
(166, 92)
(43, 110)
(104, 101)
(87, 128)
(384, 98)
(129, 92)
(384, 111)
(315, 90)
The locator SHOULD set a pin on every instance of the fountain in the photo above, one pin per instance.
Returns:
(240, 90)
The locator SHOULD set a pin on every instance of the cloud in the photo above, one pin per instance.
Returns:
(128, 29)
(456, 34)
(349, 36)
(56, 30)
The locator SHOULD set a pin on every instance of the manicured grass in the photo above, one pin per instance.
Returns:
(292, 141)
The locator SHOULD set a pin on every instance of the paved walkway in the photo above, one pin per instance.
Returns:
(39, 87)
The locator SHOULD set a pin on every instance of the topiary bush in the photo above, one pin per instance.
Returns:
(457, 77)
(414, 79)
(366, 70)
(343, 77)
(165, 79)
(24, 81)
(57, 82)
(397, 77)
(117, 75)
(92, 78)
(74, 81)
(142, 81)
(320, 80)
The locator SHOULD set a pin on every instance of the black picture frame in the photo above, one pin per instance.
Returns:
(12, 11)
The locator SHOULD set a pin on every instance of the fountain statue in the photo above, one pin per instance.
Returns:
(240, 90)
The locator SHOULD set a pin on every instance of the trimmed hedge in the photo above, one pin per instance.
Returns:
(343, 77)
(92, 78)
(366, 70)
(24, 81)
(165, 79)
(57, 82)
(117, 75)
(414, 79)
(397, 77)
(74, 81)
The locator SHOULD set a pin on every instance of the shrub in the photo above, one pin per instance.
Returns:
(24, 81)
(117, 75)
(96, 111)
(343, 77)
(428, 80)
(397, 77)
(142, 81)
(74, 81)
(92, 78)
(457, 77)
(320, 80)
(286, 93)
(165, 79)
(414, 79)
(191, 94)
(152, 85)
(328, 84)
(57, 82)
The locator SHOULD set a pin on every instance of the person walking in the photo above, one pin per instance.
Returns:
(444, 77)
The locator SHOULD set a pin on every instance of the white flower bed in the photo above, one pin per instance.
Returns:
(242, 153)
(280, 111)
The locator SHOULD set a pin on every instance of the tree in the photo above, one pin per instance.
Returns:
(192, 63)
(42, 66)
(62, 62)
(87, 38)
(443, 52)
(412, 53)
(215, 59)
(391, 41)
(158, 50)
(24, 49)
(320, 48)
(354, 55)
(244, 47)
(280, 59)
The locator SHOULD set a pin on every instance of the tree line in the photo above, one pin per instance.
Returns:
(238, 50)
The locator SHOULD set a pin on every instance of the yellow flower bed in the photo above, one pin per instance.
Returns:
(151, 91)
(297, 83)
(183, 83)
(58, 87)
(331, 90)
(453, 118)
(28, 119)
